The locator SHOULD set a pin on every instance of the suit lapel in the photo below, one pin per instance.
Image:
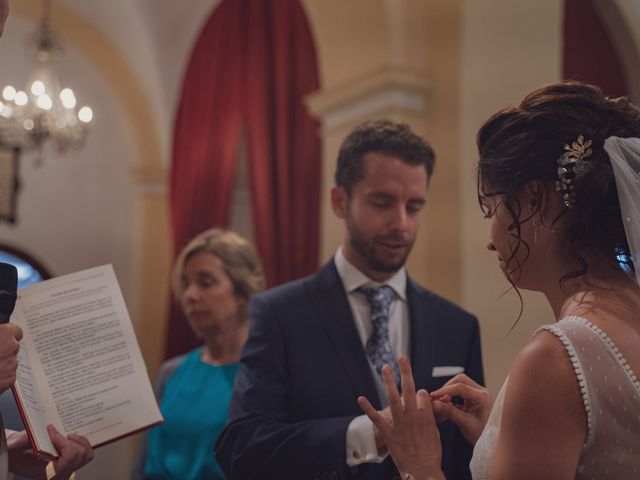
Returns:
(422, 335)
(334, 312)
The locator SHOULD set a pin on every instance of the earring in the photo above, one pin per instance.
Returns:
(535, 231)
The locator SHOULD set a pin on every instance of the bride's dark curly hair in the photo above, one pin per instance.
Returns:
(522, 144)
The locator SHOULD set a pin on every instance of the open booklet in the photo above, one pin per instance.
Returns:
(79, 365)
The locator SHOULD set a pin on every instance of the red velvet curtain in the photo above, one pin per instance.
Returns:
(589, 54)
(284, 148)
(251, 66)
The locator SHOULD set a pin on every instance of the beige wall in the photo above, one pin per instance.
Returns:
(509, 48)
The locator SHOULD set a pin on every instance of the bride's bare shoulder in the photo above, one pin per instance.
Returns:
(542, 416)
(543, 383)
(544, 358)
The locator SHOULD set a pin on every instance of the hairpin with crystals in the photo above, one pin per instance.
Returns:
(571, 164)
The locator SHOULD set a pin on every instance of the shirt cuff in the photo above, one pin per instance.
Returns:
(361, 442)
(11, 435)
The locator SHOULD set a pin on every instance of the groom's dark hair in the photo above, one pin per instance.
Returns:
(381, 136)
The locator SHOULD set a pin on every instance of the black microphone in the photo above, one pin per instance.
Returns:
(8, 289)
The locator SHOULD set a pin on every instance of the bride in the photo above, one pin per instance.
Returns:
(559, 181)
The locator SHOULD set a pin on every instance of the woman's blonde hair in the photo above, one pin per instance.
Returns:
(238, 255)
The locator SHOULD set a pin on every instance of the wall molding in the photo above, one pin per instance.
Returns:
(383, 90)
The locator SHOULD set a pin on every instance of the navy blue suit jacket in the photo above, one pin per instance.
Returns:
(303, 368)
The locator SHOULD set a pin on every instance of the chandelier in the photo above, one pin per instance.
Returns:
(42, 112)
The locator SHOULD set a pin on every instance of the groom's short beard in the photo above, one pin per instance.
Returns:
(365, 247)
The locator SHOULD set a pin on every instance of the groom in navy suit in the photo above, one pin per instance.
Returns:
(318, 343)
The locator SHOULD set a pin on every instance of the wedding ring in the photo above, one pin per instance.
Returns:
(50, 471)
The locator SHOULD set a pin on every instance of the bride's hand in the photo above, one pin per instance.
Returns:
(472, 415)
(412, 437)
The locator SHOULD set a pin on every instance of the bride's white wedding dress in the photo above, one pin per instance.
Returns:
(611, 398)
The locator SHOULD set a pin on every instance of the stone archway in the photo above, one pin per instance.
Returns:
(151, 249)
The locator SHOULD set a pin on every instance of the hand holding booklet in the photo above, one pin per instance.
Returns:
(79, 365)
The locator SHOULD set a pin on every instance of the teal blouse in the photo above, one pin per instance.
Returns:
(195, 404)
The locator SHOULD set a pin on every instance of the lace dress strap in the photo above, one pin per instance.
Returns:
(560, 331)
(611, 397)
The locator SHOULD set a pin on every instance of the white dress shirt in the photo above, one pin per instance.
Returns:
(361, 445)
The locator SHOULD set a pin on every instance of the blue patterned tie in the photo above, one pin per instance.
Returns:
(378, 346)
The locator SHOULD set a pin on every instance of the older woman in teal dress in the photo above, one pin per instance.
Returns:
(214, 278)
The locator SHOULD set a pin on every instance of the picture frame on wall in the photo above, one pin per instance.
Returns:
(9, 184)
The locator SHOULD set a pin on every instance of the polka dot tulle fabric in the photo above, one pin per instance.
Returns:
(611, 396)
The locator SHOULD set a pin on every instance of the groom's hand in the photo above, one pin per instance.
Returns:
(380, 445)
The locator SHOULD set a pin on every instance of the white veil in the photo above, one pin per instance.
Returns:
(624, 154)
